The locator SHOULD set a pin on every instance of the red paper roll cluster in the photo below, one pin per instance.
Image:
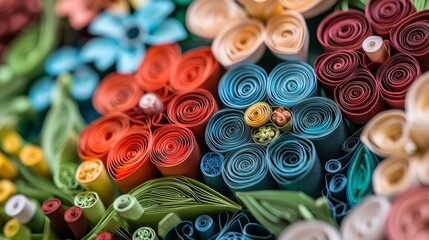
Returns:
(395, 77)
(359, 98)
(54, 210)
(128, 161)
(343, 30)
(193, 110)
(76, 220)
(385, 14)
(176, 152)
(117, 92)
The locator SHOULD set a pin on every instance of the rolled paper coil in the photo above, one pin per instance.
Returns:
(7, 190)
(93, 176)
(211, 167)
(155, 70)
(385, 134)
(258, 114)
(151, 104)
(14, 230)
(117, 92)
(320, 120)
(7, 168)
(282, 118)
(32, 156)
(75, 218)
(91, 205)
(335, 67)
(128, 207)
(226, 131)
(25, 211)
(184, 230)
(55, 211)
(11, 143)
(245, 169)
(206, 226)
(308, 8)
(343, 29)
(359, 98)
(105, 236)
(176, 152)
(291, 82)
(287, 36)
(367, 220)
(145, 233)
(266, 134)
(242, 42)
(310, 229)
(41, 93)
(395, 175)
(395, 77)
(375, 49)
(243, 86)
(206, 18)
(406, 219)
(65, 178)
(128, 162)
(294, 164)
(261, 9)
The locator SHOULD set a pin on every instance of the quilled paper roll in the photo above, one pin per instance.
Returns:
(91, 205)
(128, 207)
(117, 92)
(197, 68)
(65, 178)
(7, 168)
(406, 219)
(227, 131)
(32, 156)
(97, 138)
(395, 175)
(320, 120)
(184, 230)
(291, 82)
(359, 174)
(7, 190)
(245, 169)
(395, 77)
(287, 36)
(242, 42)
(55, 211)
(176, 151)
(359, 98)
(385, 134)
(211, 167)
(335, 67)
(151, 104)
(75, 218)
(105, 236)
(258, 114)
(206, 226)
(145, 233)
(266, 134)
(375, 49)
(26, 211)
(367, 220)
(294, 164)
(343, 29)
(310, 229)
(205, 18)
(128, 162)
(155, 70)
(261, 9)
(410, 36)
(193, 110)
(11, 143)
(14, 230)
(243, 86)
(384, 15)
(416, 105)
(93, 176)
(282, 118)
(308, 8)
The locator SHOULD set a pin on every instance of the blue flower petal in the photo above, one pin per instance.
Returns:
(102, 51)
(41, 93)
(106, 25)
(151, 15)
(169, 31)
(129, 59)
(63, 60)
(85, 81)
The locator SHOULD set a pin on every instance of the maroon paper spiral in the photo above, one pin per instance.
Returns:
(76, 220)
(55, 211)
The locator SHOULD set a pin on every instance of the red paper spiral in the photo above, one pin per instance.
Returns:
(76, 220)
(343, 30)
(176, 152)
(155, 70)
(395, 77)
(117, 92)
(359, 97)
(128, 162)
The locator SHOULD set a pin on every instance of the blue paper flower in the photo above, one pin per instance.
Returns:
(123, 38)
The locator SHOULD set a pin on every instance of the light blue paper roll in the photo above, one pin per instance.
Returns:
(211, 167)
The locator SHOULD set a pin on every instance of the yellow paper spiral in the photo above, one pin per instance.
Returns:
(258, 114)
(32, 156)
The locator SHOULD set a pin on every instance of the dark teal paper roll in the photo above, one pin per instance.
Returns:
(184, 230)
(333, 166)
(320, 120)
(255, 231)
(211, 166)
(290, 83)
(206, 227)
(246, 169)
(227, 130)
(243, 86)
(294, 164)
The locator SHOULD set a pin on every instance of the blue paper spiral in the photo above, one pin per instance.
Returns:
(291, 82)
(205, 226)
(211, 166)
(85, 81)
(294, 164)
(243, 86)
(227, 130)
(41, 93)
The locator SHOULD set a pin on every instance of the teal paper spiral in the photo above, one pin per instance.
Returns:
(211, 167)
(206, 226)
